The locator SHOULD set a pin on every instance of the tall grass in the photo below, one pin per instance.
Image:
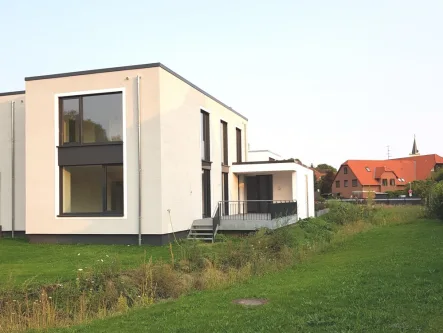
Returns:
(107, 289)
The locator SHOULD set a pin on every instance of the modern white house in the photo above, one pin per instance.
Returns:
(130, 155)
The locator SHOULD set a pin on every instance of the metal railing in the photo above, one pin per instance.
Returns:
(387, 201)
(255, 209)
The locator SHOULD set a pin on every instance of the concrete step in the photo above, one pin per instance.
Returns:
(202, 227)
(200, 234)
(201, 238)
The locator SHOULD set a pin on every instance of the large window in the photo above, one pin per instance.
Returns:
(205, 137)
(91, 190)
(224, 142)
(91, 119)
(239, 144)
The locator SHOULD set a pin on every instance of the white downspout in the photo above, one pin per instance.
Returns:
(139, 164)
(13, 168)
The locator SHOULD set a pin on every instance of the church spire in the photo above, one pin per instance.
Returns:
(415, 151)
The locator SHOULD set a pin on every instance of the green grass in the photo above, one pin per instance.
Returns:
(389, 279)
(21, 262)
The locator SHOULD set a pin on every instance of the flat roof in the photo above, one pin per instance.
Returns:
(9, 93)
(291, 160)
(125, 68)
(263, 151)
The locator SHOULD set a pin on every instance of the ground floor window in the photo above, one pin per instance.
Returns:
(91, 190)
(225, 193)
(206, 193)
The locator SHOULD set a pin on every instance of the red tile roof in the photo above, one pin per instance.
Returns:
(424, 164)
(367, 171)
(408, 168)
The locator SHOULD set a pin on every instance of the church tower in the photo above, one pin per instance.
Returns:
(415, 151)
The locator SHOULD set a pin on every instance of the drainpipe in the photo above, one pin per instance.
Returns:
(13, 168)
(139, 165)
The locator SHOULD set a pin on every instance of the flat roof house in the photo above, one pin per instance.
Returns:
(128, 155)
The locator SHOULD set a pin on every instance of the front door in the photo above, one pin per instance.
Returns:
(258, 189)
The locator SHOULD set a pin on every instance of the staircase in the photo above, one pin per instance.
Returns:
(203, 230)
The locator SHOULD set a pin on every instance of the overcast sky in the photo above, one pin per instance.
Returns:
(322, 81)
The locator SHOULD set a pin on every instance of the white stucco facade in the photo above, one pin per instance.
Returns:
(169, 108)
(6, 204)
(171, 177)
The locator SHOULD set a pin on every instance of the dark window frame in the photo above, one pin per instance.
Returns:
(80, 120)
(392, 182)
(206, 135)
(206, 193)
(225, 146)
(354, 183)
(384, 182)
(104, 185)
(345, 170)
(346, 183)
(238, 138)
(225, 192)
(337, 184)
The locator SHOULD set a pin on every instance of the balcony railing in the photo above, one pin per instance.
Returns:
(255, 209)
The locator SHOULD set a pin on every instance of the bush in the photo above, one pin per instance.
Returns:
(343, 213)
(435, 203)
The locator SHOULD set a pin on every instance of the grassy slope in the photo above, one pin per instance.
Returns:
(389, 279)
(43, 263)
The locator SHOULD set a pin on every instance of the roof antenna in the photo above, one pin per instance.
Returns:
(389, 152)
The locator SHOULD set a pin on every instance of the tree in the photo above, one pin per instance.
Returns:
(437, 175)
(326, 182)
(323, 167)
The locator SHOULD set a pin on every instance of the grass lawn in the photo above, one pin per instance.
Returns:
(389, 279)
(52, 263)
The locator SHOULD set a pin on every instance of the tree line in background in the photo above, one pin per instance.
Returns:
(323, 184)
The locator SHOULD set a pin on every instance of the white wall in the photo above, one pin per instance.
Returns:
(282, 185)
(303, 183)
(181, 166)
(6, 163)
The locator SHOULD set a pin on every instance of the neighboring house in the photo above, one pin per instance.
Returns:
(357, 178)
(128, 155)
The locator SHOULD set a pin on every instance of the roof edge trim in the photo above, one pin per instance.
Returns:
(10, 93)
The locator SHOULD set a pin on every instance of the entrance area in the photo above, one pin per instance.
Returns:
(259, 193)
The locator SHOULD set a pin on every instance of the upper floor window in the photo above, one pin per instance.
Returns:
(345, 170)
(224, 142)
(91, 119)
(239, 144)
(205, 137)
(337, 184)
(354, 183)
(392, 182)
(385, 182)
(345, 183)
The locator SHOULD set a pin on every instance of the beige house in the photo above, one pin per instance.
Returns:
(117, 155)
